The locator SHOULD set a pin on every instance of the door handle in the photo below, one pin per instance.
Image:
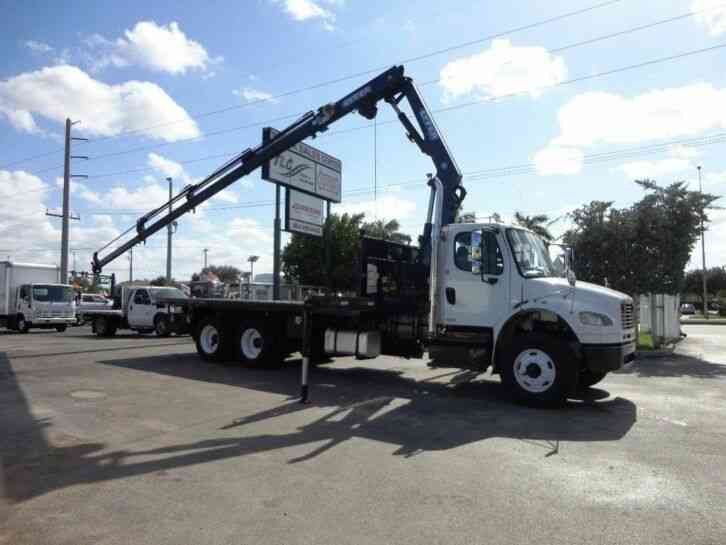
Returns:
(451, 296)
(491, 280)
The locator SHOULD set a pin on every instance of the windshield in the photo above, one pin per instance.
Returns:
(530, 253)
(55, 294)
(168, 293)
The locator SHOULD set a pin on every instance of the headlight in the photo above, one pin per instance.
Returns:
(593, 318)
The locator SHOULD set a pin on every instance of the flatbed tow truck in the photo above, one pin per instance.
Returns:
(472, 296)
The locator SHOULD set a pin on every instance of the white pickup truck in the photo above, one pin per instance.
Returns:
(139, 308)
(32, 297)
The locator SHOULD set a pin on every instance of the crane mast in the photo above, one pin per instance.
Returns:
(392, 86)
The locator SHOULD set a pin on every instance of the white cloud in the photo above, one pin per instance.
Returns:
(146, 197)
(598, 118)
(501, 70)
(81, 190)
(711, 14)
(162, 48)
(166, 166)
(387, 207)
(38, 47)
(639, 170)
(105, 110)
(558, 160)
(250, 94)
(304, 10)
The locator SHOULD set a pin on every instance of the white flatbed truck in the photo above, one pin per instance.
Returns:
(473, 296)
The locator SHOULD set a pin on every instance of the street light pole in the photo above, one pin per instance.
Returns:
(703, 250)
(205, 257)
(252, 260)
(168, 239)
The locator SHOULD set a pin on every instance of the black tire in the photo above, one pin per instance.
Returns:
(589, 378)
(540, 370)
(213, 340)
(104, 326)
(21, 325)
(60, 328)
(256, 344)
(162, 326)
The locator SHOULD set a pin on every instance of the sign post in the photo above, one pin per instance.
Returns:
(311, 177)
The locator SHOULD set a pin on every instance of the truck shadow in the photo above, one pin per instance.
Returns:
(675, 365)
(382, 405)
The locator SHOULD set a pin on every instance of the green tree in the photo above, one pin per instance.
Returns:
(715, 284)
(386, 230)
(225, 273)
(325, 261)
(643, 248)
(537, 224)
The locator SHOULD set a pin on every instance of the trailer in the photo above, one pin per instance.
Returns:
(474, 296)
(31, 296)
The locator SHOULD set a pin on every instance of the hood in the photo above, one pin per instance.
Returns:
(585, 292)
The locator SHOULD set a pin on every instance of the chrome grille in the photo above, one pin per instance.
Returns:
(627, 315)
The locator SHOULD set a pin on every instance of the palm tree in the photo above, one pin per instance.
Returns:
(386, 230)
(537, 224)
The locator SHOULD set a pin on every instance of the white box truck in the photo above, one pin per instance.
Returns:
(31, 296)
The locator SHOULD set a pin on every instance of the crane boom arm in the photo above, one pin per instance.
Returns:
(391, 86)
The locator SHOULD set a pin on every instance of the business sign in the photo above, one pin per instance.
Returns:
(304, 168)
(304, 213)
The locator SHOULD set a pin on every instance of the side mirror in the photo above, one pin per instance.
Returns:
(475, 253)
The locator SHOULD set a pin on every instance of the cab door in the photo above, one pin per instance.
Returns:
(475, 291)
(140, 313)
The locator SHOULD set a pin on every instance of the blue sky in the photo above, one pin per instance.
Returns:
(143, 78)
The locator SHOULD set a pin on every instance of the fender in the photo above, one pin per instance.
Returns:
(539, 317)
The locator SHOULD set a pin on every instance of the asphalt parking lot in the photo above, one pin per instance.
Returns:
(134, 440)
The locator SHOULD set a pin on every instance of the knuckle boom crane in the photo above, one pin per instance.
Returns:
(472, 296)
(392, 86)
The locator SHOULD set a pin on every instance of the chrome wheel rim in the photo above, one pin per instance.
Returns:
(209, 339)
(534, 370)
(251, 343)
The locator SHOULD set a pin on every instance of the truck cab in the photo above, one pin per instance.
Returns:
(44, 306)
(515, 297)
(142, 309)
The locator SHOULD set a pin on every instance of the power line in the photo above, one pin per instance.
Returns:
(319, 85)
(435, 111)
(483, 174)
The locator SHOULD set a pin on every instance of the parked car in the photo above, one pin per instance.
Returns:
(688, 308)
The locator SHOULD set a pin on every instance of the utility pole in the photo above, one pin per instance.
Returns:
(131, 265)
(205, 257)
(168, 239)
(703, 249)
(67, 197)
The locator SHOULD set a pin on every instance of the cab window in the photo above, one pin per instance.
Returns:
(141, 297)
(493, 262)
(462, 242)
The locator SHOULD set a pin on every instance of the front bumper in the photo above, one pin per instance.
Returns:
(602, 358)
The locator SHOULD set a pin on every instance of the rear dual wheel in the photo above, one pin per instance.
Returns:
(252, 342)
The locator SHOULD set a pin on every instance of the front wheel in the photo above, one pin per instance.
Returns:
(60, 328)
(540, 370)
(22, 325)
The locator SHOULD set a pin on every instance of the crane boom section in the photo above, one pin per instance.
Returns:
(391, 86)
